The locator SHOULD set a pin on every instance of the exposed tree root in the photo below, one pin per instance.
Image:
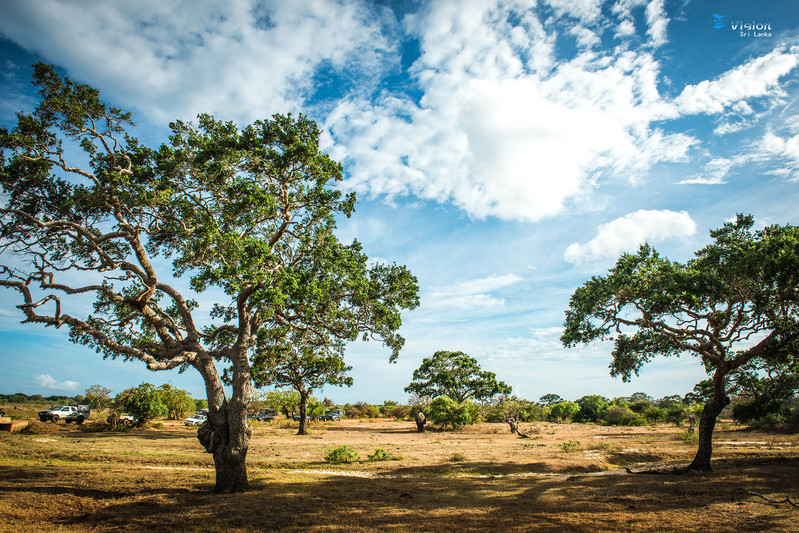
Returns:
(770, 500)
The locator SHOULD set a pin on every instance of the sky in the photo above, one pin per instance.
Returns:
(504, 151)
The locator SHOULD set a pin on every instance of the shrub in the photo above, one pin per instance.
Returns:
(592, 409)
(143, 401)
(381, 455)
(563, 410)
(341, 454)
(623, 416)
(446, 411)
(654, 414)
(571, 445)
(690, 437)
(457, 457)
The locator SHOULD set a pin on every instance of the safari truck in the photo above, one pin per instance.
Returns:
(67, 413)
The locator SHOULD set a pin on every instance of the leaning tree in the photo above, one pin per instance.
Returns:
(241, 213)
(735, 302)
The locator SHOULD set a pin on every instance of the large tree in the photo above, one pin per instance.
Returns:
(456, 375)
(301, 365)
(247, 214)
(736, 301)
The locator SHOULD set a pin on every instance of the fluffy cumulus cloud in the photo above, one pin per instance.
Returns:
(625, 234)
(507, 128)
(49, 382)
(504, 127)
(244, 59)
(515, 109)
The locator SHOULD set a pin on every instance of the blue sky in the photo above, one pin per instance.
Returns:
(505, 151)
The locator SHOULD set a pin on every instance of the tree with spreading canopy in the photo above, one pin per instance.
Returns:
(296, 363)
(455, 375)
(247, 214)
(735, 302)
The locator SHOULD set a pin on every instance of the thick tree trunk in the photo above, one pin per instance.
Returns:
(303, 413)
(707, 422)
(226, 434)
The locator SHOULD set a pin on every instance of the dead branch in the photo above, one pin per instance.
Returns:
(770, 500)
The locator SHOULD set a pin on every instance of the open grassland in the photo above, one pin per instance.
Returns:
(572, 477)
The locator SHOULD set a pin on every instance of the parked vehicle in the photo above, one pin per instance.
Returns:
(266, 415)
(195, 420)
(124, 418)
(333, 414)
(68, 413)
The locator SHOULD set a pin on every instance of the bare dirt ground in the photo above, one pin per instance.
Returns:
(565, 477)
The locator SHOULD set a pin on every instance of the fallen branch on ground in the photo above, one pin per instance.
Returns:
(770, 500)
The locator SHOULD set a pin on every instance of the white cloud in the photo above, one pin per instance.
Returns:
(625, 234)
(715, 173)
(498, 132)
(759, 77)
(48, 382)
(783, 149)
(470, 295)
(244, 59)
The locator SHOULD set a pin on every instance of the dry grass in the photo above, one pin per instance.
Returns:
(63, 478)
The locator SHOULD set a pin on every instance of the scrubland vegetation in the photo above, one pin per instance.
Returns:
(379, 474)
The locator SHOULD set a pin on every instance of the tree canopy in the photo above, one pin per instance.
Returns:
(249, 213)
(456, 375)
(735, 301)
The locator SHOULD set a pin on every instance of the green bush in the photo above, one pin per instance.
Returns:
(654, 414)
(457, 457)
(571, 446)
(342, 454)
(623, 416)
(445, 411)
(381, 455)
(563, 410)
(592, 409)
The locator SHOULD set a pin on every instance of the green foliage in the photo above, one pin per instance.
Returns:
(341, 454)
(690, 437)
(571, 446)
(143, 401)
(178, 402)
(98, 397)
(382, 455)
(549, 399)
(456, 375)
(655, 414)
(284, 401)
(361, 410)
(563, 411)
(592, 409)
(618, 415)
(457, 457)
(444, 411)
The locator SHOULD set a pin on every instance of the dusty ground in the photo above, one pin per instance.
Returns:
(565, 477)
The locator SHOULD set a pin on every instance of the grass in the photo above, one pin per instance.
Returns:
(160, 479)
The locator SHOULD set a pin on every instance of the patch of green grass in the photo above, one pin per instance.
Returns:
(571, 445)
(342, 454)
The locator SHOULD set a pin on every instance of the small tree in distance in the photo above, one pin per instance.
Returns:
(455, 375)
(98, 397)
(303, 367)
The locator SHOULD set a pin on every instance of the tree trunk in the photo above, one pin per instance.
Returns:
(303, 413)
(226, 434)
(707, 422)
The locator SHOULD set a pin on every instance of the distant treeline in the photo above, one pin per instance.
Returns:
(38, 398)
